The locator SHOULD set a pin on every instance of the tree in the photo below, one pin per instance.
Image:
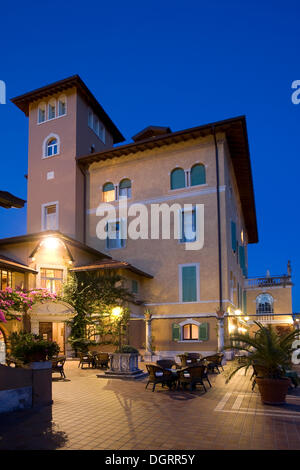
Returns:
(14, 302)
(93, 296)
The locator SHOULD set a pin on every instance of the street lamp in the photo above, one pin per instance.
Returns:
(117, 314)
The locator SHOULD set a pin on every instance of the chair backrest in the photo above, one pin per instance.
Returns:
(166, 363)
(153, 369)
(103, 356)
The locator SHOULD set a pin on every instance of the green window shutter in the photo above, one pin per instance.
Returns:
(108, 187)
(233, 236)
(176, 332)
(125, 184)
(177, 178)
(198, 175)
(189, 284)
(134, 286)
(203, 331)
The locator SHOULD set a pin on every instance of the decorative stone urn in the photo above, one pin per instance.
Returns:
(124, 366)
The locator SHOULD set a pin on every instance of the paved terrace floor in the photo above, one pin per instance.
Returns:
(93, 413)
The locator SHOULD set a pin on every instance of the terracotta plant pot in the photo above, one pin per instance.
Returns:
(273, 391)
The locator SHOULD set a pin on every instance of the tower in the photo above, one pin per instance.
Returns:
(65, 122)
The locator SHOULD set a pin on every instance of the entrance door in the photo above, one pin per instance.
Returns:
(45, 330)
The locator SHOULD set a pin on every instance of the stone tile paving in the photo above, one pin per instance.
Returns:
(92, 413)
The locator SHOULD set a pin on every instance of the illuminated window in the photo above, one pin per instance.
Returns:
(6, 279)
(109, 192)
(264, 303)
(191, 332)
(52, 279)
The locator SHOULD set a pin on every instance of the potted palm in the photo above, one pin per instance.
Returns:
(269, 353)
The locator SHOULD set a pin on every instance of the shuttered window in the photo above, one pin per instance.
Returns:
(189, 283)
(203, 331)
(177, 178)
(198, 175)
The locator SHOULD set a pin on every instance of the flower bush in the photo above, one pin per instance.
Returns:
(28, 347)
(18, 300)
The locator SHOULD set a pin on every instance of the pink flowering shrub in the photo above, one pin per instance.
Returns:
(19, 300)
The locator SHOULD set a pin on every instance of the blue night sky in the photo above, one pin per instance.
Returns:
(180, 64)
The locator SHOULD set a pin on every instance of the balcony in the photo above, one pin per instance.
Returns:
(268, 281)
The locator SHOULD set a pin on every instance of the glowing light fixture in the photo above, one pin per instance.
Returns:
(117, 311)
(51, 243)
(246, 318)
(238, 312)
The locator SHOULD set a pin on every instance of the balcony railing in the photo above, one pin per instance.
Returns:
(268, 281)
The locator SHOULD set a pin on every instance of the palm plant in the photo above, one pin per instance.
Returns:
(268, 351)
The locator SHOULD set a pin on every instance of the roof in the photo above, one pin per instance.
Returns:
(111, 264)
(10, 263)
(151, 131)
(24, 100)
(31, 237)
(235, 130)
(8, 200)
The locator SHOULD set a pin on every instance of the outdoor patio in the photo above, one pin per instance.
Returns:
(92, 413)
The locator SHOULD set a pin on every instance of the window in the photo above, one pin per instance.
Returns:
(264, 303)
(50, 217)
(189, 283)
(42, 113)
(134, 286)
(114, 235)
(178, 178)
(52, 147)
(188, 226)
(62, 106)
(5, 279)
(51, 109)
(109, 192)
(96, 125)
(52, 279)
(190, 331)
(198, 175)
(233, 236)
(125, 189)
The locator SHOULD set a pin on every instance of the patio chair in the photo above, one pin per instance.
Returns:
(58, 366)
(189, 359)
(158, 375)
(101, 360)
(214, 362)
(192, 376)
(167, 363)
(85, 359)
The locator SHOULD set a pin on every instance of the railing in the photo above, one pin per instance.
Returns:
(271, 281)
(264, 318)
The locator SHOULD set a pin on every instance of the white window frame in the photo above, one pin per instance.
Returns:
(62, 99)
(46, 104)
(189, 321)
(180, 266)
(43, 219)
(43, 106)
(91, 125)
(121, 222)
(52, 103)
(50, 266)
(45, 146)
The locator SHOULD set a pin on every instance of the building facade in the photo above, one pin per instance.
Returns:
(194, 289)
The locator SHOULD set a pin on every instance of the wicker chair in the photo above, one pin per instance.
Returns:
(58, 366)
(167, 363)
(158, 375)
(189, 359)
(101, 360)
(191, 376)
(86, 358)
(214, 362)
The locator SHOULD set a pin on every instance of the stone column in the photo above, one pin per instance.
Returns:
(148, 318)
(220, 316)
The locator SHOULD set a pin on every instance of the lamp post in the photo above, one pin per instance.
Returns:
(220, 316)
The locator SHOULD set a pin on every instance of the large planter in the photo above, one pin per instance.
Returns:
(273, 391)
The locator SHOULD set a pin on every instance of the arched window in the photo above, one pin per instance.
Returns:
(264, 303)
(198, 175)
(62, 105)
(52, 109)
(125, 189)
(52, 147)
(177, 178)
(109, 193)
(42, 113)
